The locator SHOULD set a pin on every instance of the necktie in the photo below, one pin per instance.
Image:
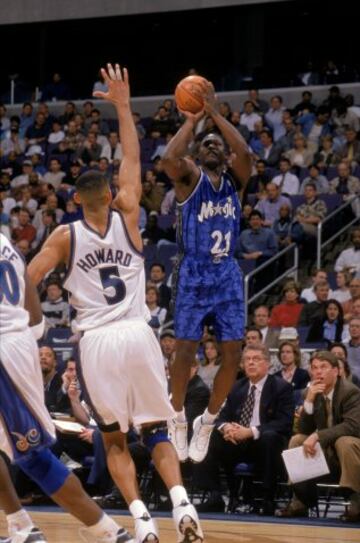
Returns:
(328, 412)
(248, 408)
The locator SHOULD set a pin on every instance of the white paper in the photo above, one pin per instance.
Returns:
(68, 427)
(302, 468)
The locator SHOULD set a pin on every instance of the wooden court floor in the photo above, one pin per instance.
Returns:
(61, 528)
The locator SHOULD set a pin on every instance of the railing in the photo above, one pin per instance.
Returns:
(321, 245)
(292, 270)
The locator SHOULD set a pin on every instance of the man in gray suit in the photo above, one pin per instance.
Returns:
(261, 321)
(330, 417)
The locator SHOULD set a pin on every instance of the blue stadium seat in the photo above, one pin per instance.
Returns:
(331, 172)
(296, 200)
(166, 255)
(246, 266)
(332, 201)
(165, 221)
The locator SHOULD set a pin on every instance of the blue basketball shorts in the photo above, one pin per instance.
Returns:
(209, 293)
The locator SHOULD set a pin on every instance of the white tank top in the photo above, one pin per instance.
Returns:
(106, 277)
(13, 316)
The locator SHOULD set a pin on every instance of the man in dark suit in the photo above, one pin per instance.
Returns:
(253, 426)
(157, 276)
(331, 417)
(315, 310)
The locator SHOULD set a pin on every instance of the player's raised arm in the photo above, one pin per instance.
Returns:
(176, 165)
(55, 250)
(241, 161)
(117, 80)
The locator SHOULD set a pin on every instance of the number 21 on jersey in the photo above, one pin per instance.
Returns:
(222, 241)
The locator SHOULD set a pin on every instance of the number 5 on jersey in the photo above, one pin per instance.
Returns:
(110, 278)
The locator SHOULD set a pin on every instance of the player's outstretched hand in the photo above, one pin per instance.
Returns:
(193, 117)
(117, 80)
(210, 98)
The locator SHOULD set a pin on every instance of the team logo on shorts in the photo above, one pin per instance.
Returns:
(24, 442)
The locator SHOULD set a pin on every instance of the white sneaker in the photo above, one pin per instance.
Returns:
(146, 530)
(199, 444)
(122, 536)
(178, 435)
(32, 535)
(187, 523)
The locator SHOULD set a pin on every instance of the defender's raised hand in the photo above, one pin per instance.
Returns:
(117, 80)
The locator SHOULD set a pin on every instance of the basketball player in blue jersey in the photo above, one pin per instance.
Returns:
(121, 367)
(26, 429)
(208, 282)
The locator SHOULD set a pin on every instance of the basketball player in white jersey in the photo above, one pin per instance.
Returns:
(26, 429)
(121, 367)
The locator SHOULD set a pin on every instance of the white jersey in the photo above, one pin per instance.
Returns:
(13, 315)
(106, 276)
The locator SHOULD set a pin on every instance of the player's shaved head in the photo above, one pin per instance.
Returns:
(92, 189)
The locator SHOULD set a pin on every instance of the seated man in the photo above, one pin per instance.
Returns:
(253, 426)
(330, 417)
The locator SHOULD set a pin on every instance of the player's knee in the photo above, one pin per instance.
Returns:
(45, 469)
(155, 434)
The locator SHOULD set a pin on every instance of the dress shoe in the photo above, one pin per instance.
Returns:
(267, 508)
(291, 511)
(212, 506)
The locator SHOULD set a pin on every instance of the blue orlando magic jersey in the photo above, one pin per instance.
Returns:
(209, 221)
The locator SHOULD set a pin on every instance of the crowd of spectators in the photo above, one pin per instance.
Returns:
(306, 161)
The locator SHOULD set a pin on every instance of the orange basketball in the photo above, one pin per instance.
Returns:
(188, 93)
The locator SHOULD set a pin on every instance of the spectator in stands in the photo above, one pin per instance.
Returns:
(306, 105)
(24, 247)
(326, 156)
(320, 181)
(69, 113)
(260, 106)
(257, 183)
(51, 203)
(57, 134)
(286, 142)
(316, 309)
(99, 85)
(12, 143)
(286, 229)
(318, 275)
(168, 205)
(342, 293)
(55, 174)
(51, 378)
(26, 200)
(255, 143)
(57, 89)
(269, 207)
(158, 278)
(90, 151)
(353, 346)
(350, 151)
(161, 124)
(248, 118)
(340, 351)
(253, 336)
(287, 312)
(151, 234)
(314, 126)
(23, 178)
(257, 243)
(139, 127)
(300, 156)
(345, 183)
(152, 193)
(274, 117)
(210, 364)
(311, 212)
(310, 76)
(38, 166)
(255, 424)
(349, 259)
(25, 229)
(26, 118)
(38, 132)
(47, 227)
(68, 182)
(262, 322)
(72, 213)
(158, 314)
(56, 311)
(343, 119)
(291, 335)
(348, 306)
(168, 345)
(290, 359)
(242, 128)
(287, 182)
(330, 417)
(269, 152)
(330, 326)
(74, 138)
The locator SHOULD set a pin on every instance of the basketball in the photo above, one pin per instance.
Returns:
(188, 93)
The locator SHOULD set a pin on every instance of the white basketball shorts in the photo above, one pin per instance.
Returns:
(123, 374)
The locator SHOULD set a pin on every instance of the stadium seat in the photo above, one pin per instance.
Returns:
(165, 221)
(166, 255)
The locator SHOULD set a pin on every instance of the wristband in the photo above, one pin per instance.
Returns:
(38, 329)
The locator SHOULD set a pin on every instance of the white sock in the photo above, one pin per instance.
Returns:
(18, 521)
(180, 415)
(177, 495)
(137, 508)
(105, 527)
(208, 418)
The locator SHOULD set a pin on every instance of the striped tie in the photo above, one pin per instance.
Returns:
(248, 408)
